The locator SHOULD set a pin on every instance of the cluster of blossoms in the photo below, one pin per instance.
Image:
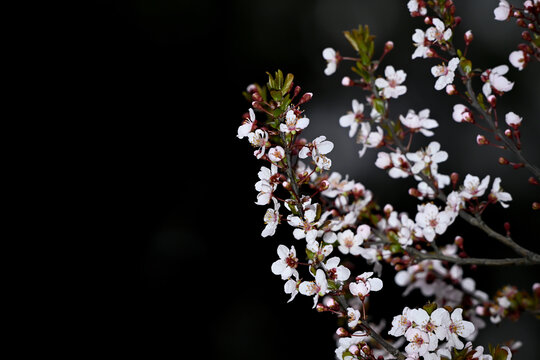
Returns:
(336, 221)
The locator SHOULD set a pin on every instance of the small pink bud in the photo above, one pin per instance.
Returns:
(526, 35)
(518, 14)
(389, 45)
(305, 98)
(324, 185)
(286, 185)
(427, 20)
(492, 100)
(354, 349)
(454, 177)
(521, 22)
(533, 181)
(430, 53)
(530, 27)
(503, 161)
(468, 37)
(457, 19)
(508, 133)
(388, 208)
(459, 241)
(347, 81)
(342, 332)
(481, 140)
(507, 228)
(414, 192)
(321, 308)
(451, 89)
(536, 205)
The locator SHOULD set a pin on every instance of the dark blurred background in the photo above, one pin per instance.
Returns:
(162, 92)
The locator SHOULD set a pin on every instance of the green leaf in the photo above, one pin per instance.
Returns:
(466, 65)
(287, 84)
(276, 95)
(378, 104)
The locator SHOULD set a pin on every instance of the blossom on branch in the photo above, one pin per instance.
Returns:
(391, 86)
(494, 79)
(419, 122)
(353, 118)
(445, 73)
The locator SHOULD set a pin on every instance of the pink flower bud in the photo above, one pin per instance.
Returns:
(427, 20)
(342, 332)
(451, 89)
(508, 133)
(454, 177)
(321, 308)
(347, 81)
(492, 99)
(468, 37)
(389, 45)
(324, 185)
(481, 140)
(526, 36)
(536, 205)
(354, 349)
(305, 98)
(459, 241)
(414, 192)
(533, 181)
(388, 208)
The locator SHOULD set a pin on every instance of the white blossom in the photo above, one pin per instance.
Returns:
(276, 154)
(353, 316)
(293, 123)
(259, 139)
(432, 221)
(391, 86)
(401, 323)
(247, 125)
(497, 192)
(418, 342)
(513, 120)
(319, 287)
(353, 118)
(458, 327)
(430, 156)
(419, 122)
(461, 113)
(502, 12)
(445, 73)
(368, 138)
(495, 80)
(287, 263)
(331, 58)
(421, 43)
(337, 185)
(518, 59)
(336, 271)
(365, 284)
(305, 228)
(437, 32)
(472, 187)
(271, 219)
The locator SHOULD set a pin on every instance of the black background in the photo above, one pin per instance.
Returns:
(161, 98)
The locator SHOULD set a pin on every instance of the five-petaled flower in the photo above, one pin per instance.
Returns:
(365, 284)
(353, 118)
(293, 123)
(319, 287)
(495, 80)
(391, 86)
(419, 122)
(437, 33)
(287, 263)
(445, 73)
(332, 60)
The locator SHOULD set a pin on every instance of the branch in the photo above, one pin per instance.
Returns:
(470, 261)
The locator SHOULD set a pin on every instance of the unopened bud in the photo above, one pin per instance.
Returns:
(518, 165)
(508, 133)
(454, 177)
(533, 181)
(389, 45)
(526, 36)
(518, 14)
(481, 140)
(528, 5)
(507, 228)
(457, 19)
(451, 89)
(492, 99)
(521, 22)
(321, 308)
(388, 208)
(324, 185)
(347, 81)
(342, 332)
(305, 98)
(427, 20)
(430, 53)
(257, 105)
(503, 161)
(536, 205)
(468, 37)
(286, 185)
(297, 90)
(459, 241)
(354, 349)
(414, 192)
(531, 27)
